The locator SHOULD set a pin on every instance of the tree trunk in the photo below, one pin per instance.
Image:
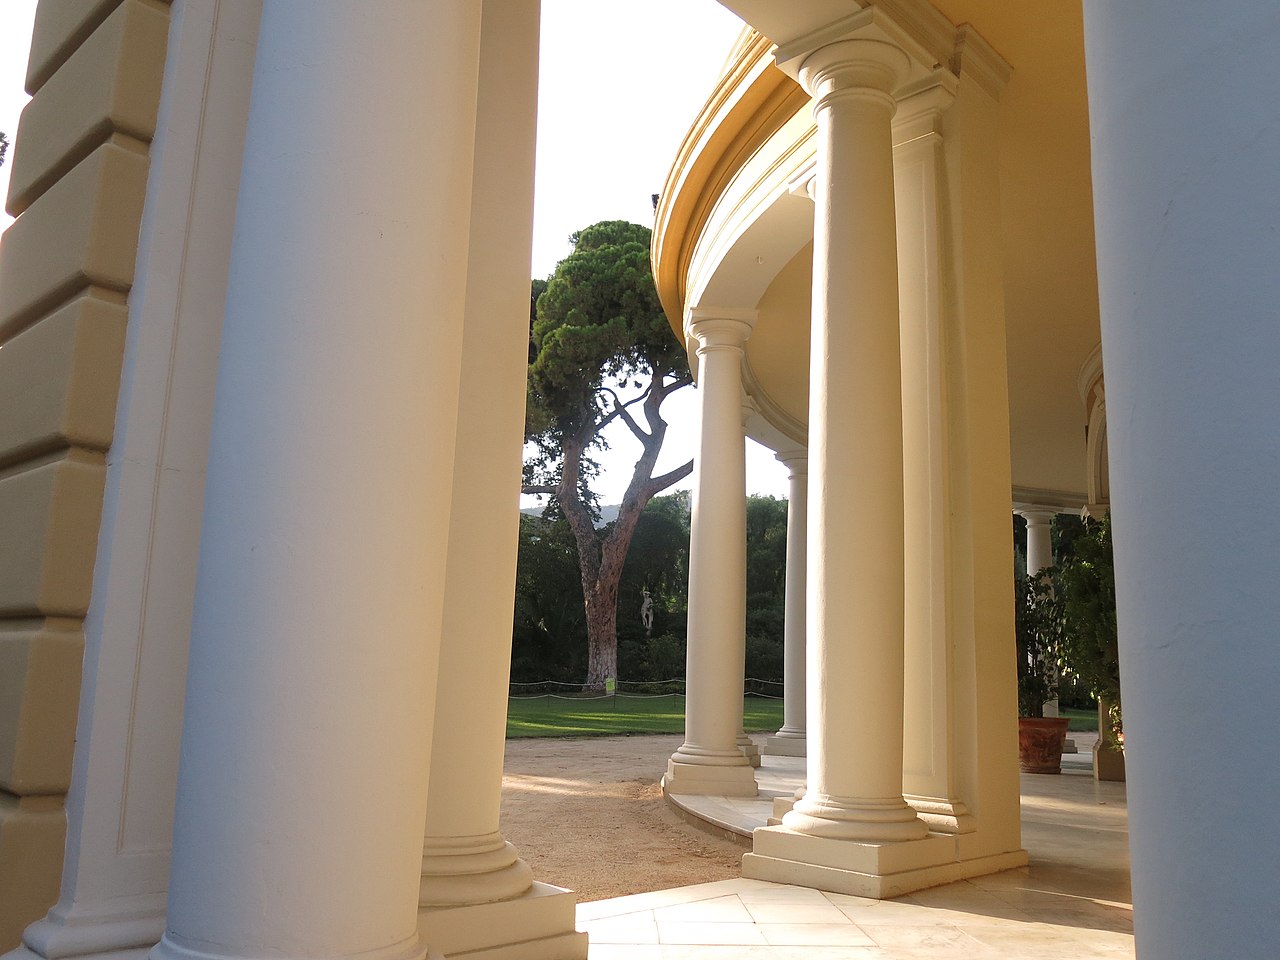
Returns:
(602, 635)
(601, 561)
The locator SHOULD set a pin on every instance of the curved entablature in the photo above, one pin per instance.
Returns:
(753, 100)
(771, 424)
(736, 209)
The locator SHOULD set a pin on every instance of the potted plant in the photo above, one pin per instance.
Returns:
(1038, 635)
(1090, 646)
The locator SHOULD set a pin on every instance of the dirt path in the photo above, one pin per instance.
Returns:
(588, 814)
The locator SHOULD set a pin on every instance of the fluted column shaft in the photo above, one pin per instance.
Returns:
(710, 761)
(306, 738)
(855, 584)
(790, 738)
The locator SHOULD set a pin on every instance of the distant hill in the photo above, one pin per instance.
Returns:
(608, 513)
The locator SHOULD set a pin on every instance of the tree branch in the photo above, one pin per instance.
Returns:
(658, 484)
(620, 410)
(539, 489)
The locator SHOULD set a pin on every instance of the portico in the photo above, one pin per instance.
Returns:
(252, 627)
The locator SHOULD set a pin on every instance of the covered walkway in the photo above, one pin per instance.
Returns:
(1072, 900)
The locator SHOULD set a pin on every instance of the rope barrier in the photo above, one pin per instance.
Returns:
(584, 697)
(565, 685)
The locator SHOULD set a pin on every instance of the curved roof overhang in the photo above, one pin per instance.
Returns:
(752, 102)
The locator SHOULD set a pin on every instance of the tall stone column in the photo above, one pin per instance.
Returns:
(1186, 210)
(476, 894)
(855, 585)
(1039, 544)
(745, 743)
(710, 760)
(306, 739)
(841, 835)
(1040, 557)
(790, 741)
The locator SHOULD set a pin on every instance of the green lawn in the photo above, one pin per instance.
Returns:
(1080, 719)
(574, 717)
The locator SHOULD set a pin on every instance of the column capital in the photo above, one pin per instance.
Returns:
(796, 461)
(1036, 513)
(720, 328)
(858, 64)
(899, 39)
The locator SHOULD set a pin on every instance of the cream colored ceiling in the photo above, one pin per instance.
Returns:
(777, 352)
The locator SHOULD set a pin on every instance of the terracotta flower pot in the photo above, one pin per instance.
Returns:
(1040, 741)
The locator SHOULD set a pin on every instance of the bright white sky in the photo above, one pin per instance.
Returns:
(621, 83)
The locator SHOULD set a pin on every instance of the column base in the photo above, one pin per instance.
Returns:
(783, 745)
(457, 871)
(737, 780)
(101, 937)
(749, 749)
(943, 816)
(875, 870)
(539, 925)
(175, 947)
(1069, 746)
(783, 805)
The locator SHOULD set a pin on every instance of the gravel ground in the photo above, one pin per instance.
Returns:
(588, 814)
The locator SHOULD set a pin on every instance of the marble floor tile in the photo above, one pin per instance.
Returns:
(623, 951)
(816, 934)
(709, 933)
(790, 912)
(1072, 902)
(627, 928)
(720, 910)
(784, 894)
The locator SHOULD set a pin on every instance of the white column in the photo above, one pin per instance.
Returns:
(710, 760)
(855, 663)
(1039, 544)
(1185, 149)
(789, 741)
(745, 743)
(306, 741)
(120, 805)
(851, 831)
(475, 893)
(1040, 557)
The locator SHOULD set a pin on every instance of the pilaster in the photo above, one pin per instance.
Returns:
(119, 815)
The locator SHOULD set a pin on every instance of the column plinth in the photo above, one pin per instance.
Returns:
(710, 761)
